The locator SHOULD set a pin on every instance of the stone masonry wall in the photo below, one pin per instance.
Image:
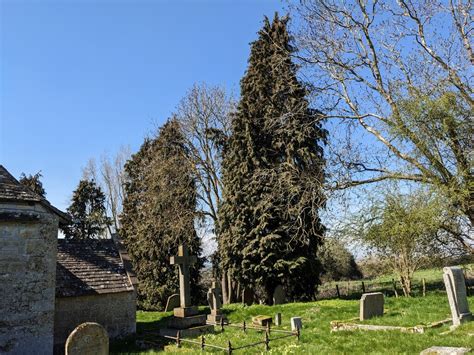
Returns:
(28, 247)
(114, 311)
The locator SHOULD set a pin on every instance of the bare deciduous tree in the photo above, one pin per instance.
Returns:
(109, 175)
(204, 115)
(396, 78)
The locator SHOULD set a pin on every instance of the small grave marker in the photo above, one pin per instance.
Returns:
(296, 323)
(278, 319)
(88, 338)
(371, 305)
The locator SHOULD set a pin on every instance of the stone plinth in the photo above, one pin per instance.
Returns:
(182, 312)
(186, 322)
(188, 332)
(371, 305)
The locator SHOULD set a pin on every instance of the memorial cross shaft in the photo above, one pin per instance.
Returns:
(184, 261)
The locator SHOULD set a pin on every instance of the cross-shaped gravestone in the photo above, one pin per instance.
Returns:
(215, 293)
(215, 303)
(183, 260)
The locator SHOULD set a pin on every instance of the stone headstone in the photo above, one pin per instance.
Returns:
(445, 350)
(279, 296)
(371, 305)
(248, 297)
(262, 320)
(457, 296)
(278, 319)
(296, 323)
(88, 338)
(172, 303)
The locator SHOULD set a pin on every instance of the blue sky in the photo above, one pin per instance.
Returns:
(82, 78)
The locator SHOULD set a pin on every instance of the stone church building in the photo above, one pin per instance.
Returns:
(51, 285)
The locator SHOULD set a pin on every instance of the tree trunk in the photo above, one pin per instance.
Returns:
(225, 299)
(230, 293)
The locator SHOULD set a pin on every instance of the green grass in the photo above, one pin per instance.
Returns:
(316, 336)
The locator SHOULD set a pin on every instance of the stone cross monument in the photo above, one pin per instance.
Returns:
(184, 260)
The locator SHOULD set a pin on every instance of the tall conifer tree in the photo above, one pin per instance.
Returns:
(273, 174)
(158, 214)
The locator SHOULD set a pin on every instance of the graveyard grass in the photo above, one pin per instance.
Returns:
(316, 336)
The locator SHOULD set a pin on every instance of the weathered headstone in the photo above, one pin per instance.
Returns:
(88, 338)
(278, 319)
(215, 303)
(296, 323)
(248, 296)
(279, 296)
(172, 303)
(184, 260)
(262, 320)
(371, 305)
(445, 350)
(457, 296)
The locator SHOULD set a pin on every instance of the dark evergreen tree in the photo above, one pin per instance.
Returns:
(159, 212)
(33, 182)
(87, 211)
(273, 174)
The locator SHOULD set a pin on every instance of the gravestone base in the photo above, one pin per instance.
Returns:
(188, 332)
(215, 317)
(187, 322)
(182, 312)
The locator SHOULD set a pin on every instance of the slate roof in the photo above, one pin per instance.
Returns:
(12, 191)
(89, 267)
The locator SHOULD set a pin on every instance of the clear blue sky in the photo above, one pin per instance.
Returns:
(80, 78)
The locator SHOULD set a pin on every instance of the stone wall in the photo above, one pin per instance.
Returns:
(115, 311)
(28, 237)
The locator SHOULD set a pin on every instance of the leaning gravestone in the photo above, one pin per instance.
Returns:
(279, 296)
(371, 305)
(88, 338)
(457, 296)
(172, 303)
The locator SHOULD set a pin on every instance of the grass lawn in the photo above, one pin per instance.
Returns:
(316, 336)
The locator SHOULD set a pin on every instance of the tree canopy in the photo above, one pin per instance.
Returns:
(272, 174)
(159, 213)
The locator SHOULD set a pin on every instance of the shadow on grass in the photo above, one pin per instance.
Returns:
(147, 337)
